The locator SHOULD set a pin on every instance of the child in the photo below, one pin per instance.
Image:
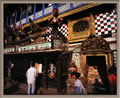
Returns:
(79, 88)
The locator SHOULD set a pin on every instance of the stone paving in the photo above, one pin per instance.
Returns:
(16, 88)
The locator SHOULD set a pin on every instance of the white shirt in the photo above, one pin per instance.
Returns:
(78, 83)
(31, 75)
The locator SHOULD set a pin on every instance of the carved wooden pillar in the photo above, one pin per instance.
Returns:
(84, 68)
(46, 73)
(111, 58)
(92, 24)
(107, 61)
(58, 72)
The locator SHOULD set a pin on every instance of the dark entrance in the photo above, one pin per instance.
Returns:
(58, 58)
(97, 68)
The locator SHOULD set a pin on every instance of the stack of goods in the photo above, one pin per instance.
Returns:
(92, 75)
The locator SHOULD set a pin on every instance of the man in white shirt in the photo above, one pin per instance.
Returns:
(31, 75)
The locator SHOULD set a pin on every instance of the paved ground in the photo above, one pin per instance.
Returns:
(20, 88)
(17, 88)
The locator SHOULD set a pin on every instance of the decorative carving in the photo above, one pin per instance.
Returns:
(81, 26)
(94, 43)
(80, 29)
(54, 23)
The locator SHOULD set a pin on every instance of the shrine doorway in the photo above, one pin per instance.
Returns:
(96, 69)
(96, 57)
(97, 74)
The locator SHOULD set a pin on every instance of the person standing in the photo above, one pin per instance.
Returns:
(112, 81)
(10, 70)
(52, 70)
(31, 75)
(79, 88)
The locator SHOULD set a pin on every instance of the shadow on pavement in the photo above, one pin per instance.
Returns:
(11, 88)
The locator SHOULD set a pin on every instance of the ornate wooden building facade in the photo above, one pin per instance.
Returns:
(91, 41)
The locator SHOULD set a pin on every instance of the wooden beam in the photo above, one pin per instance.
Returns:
(78, 9)
(73, 11)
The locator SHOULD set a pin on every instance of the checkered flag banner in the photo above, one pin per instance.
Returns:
(106, 23)
(63, 29)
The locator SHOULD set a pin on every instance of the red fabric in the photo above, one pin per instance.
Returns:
(112, 80)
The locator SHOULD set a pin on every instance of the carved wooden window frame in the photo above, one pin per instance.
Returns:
(80, 36)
